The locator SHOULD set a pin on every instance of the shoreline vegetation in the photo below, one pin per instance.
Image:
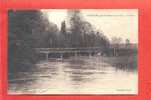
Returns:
(122, 62)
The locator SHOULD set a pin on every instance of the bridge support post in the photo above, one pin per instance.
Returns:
(75, 54)
(90, 55)
(47, 56)
(61, 56)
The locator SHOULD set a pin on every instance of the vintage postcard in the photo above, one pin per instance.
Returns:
(73, 51)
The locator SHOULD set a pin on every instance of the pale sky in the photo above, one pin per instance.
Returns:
(113, 22)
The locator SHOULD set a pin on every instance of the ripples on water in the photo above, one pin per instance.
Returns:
(80, 75)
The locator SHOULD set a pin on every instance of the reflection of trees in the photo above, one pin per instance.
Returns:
(79, 71)
(80, 76)
(33, 80)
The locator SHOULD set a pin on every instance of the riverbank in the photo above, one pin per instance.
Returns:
(128, 62)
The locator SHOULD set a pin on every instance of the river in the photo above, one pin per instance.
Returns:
(75, 75)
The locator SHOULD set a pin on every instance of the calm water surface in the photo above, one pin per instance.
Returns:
(80, 75)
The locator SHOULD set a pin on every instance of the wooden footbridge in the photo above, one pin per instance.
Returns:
(62, 51)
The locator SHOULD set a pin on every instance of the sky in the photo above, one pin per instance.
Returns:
(112, 22)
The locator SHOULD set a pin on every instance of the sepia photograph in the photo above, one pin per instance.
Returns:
(73, 51)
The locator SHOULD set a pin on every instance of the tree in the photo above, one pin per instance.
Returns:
(116, 41)
(63, 28)
(127, 43)
(27, 31)
(75, 21)
(21, 24)
(64, 40)
(45, 33)
(102, 41)
(82, 32)
(21, 53)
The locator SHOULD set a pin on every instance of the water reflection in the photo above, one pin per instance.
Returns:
(74, 76)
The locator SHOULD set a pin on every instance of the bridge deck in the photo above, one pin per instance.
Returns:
(68, 50)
